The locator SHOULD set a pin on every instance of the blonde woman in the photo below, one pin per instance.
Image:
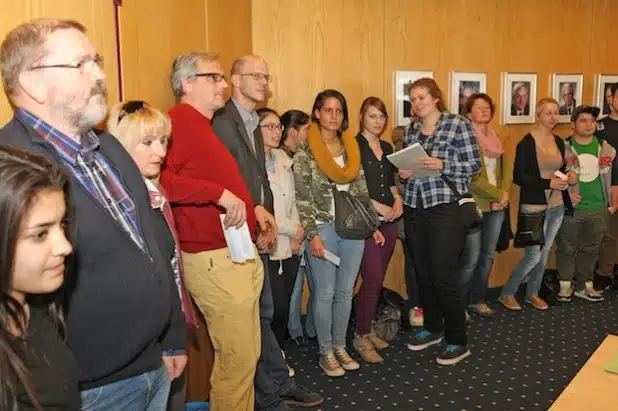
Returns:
(144, 132)
(539, 155)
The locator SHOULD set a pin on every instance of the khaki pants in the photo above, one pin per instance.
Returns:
(607, 253)
(228, 294)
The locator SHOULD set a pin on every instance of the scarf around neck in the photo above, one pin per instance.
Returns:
(489, 142)
(326, 162)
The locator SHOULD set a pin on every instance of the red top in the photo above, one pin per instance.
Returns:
(197, 170)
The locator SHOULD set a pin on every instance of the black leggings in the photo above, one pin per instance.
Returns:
(282, 279)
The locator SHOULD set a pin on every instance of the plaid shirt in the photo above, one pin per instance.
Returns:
(454, 143)
(93, 172)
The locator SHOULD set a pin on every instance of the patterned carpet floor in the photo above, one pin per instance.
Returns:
(520, 361)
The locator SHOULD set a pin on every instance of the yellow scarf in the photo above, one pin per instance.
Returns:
(326, 162)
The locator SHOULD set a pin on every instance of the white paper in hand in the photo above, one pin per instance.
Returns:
(333, 258)
(410, 159)
(238, 242)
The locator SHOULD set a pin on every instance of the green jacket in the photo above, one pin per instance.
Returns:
(314, 195)
(483, 191)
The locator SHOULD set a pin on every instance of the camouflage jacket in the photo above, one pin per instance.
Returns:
(314, 195)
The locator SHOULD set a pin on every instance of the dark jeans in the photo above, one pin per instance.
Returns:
(282, 278)
(410, 271)
(478, 257)
(577, 245)
(272, 377)
(437, 242)
(608, 253)
(373, 269)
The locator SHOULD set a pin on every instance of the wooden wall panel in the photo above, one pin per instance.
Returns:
(229, 30)
(96, 15)
(153, 33)
(355, 46)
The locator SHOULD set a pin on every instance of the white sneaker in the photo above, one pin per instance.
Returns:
(566, 291)
(589, 293)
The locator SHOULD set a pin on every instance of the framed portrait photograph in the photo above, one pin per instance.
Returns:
(463, 85)
(402, 82)
(567, 89)
(603, 93)
(518, 98)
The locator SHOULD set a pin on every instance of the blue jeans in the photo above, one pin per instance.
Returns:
(333, 287)
(478, 257)
(144, 392)
(295, 326)
(535, 258)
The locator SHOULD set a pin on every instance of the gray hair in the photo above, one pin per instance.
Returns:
(185, 67)
(25, 45)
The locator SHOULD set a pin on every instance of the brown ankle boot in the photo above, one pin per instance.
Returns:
(377, 342)
(363, 346)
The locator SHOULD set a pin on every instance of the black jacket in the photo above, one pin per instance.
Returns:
(230, 129)
(123, 307)
(527, 176)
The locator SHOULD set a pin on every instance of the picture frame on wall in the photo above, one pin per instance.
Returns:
(518, 98)
(567, 89)
(602, 92)
(463, 85)
(402, 81)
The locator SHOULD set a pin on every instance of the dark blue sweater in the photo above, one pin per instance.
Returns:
(123, 309)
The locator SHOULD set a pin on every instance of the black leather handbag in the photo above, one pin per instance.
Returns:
(529, 230)
(354, 218)
(471, 214)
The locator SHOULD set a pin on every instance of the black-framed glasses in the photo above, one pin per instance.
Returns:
(80, 65)
(273, 126)
(130, 107)
(216, 77)
(258, 76)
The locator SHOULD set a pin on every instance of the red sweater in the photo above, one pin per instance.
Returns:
(197, 170)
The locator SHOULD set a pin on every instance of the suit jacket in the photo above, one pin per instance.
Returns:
(117, 295)
(230, 129)
(526, 110)
(564, 109)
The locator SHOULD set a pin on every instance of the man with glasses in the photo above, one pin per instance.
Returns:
(125, 325)
(203, 182)
(237, 126)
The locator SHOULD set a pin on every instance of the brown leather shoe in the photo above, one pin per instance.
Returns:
(364, 347)
(377, 342)
(510, 303)
(538, 303)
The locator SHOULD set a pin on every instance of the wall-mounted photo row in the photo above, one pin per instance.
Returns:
(518, 98)
(602, 92)
(401, 93)
(463, 85)
(567, 89)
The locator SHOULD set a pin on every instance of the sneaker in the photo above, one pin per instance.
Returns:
(301, 397)
(416, 317)
(377, 342)
(589, 294)
(330, 365)
(482, 309)
(424, 339)
(566, 292)
(300, 341)
(509, 302)
(364, 347)
(537, 302)
(346, 362)
(452, 354)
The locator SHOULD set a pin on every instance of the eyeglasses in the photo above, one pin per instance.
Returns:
(258, 76)
(80, 65)
(215, 77)
(130, 107)
(273, 126)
